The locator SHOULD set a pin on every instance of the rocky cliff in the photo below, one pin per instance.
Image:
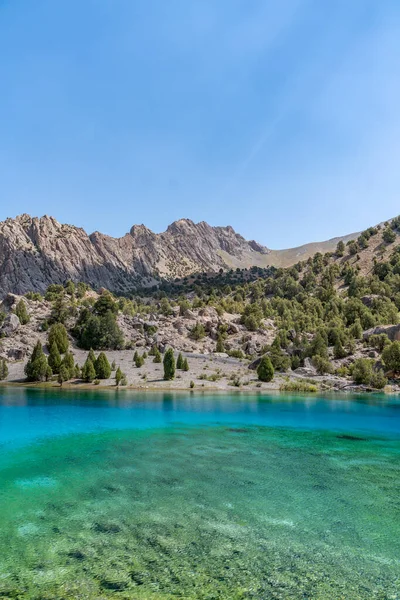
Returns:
(35, 252)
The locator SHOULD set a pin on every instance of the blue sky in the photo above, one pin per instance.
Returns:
(280, 118)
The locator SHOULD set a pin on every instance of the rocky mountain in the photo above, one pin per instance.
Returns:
(35, 252)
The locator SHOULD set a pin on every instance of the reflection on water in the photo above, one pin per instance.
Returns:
(106, 494)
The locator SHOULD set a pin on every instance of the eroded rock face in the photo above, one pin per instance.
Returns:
(35, 252)
(392, 331)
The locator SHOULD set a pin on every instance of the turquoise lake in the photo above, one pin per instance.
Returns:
(134, 495)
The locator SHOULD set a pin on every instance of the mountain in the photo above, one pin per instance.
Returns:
(35, 252)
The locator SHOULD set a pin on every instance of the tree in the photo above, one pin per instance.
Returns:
(103, 368)
(63, 375)
(197, 332)
(3, 369)
(88, 371)
(391, 357)
(139, 361)
(118, 376)
(54, 358)
(68, 363)
(58, 334)
(179, 361)
(340, 249)
(388, 235)
(378, 380)
(169, 365)
(22, 313)
(185, 366)
(77, 373)
(36, 367)
(265, 370)
(92, 356)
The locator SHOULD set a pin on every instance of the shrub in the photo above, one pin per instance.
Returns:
(379, 341)
(378, 380)
(322, 365)
(265, 370)
(22, 313)
(185, 365)
(118, 376)
(169, 365)
(191, 385)
(157, 356)
(388, 235)
(298, 386)
(139, 361)
(362, 371)
(197, 332)
(391, 357)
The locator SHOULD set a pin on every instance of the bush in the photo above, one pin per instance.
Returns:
(118, 376)
(362, 371)
(298, 386)
(157, 356)
(378, 380)
(391, 357)
(379, 341)
(388, 235)
(169, 365)
(185, 365)
(322, 365)
(265, 370)
(22, 313)
(197, 332)
(58, 335)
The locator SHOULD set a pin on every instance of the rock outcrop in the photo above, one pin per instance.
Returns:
(35, 252)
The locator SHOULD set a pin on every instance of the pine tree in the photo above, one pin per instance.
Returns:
(77, 371)
(63, 375)
(144, 355)
(185, 365)
(265, 370)
(169, 365)
(135, 356)
(68, 363)
(36, 367)
(22, 313)
(54, 358)
(88, 371)
(118, 376)
(58, 334)
(92, 356)
(3, 369)
(139, 361)
(103, 368)
(179, 362)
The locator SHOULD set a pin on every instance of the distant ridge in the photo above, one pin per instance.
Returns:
(35, 252)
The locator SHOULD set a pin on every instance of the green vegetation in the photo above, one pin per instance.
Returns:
(102, 367)
(298, 386)
(37, 368)
(169, 365)
(58, 335)
(265, 370)
(3, 369)
(22, 313)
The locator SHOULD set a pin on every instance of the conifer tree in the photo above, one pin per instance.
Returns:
(118, 376)
(54, 358)
(103, 368)
(88, 371)
(68, 363)
(169, 365)
(179, 361)
(3, 369)
(265, 370)
(36, 367)
(58, 334)
(185, 365)
(63, 375)
(92, 356)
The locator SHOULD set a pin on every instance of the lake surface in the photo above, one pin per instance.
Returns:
(129, 495)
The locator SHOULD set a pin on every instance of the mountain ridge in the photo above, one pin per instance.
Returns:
(38, 251)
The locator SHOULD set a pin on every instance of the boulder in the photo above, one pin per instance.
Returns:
(392, 331)
(10, 325)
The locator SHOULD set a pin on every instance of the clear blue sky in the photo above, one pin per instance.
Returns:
(278, 117)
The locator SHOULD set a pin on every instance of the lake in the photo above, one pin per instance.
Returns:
(120, 494)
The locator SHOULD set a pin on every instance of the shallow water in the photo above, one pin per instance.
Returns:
(128, 495)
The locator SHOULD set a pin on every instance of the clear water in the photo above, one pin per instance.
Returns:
(165, 496)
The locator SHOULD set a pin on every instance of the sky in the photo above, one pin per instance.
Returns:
(278, 117)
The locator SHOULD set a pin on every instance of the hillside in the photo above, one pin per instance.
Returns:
(36, 252)
(332, 319)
